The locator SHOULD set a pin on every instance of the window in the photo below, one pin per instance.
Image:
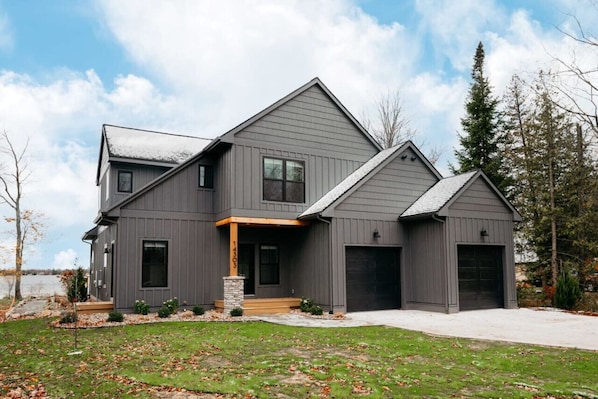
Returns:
(284, 180)
(154, 264)
(206, 176)
(269, 270)
(125, 182)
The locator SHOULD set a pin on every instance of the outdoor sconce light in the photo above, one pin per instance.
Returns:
(484, 233)
(404, 156)
(106, 250)
(413, 158)
(376, 234)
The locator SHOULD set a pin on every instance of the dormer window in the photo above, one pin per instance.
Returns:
(125, 181)
(206, 176)
(284, 180)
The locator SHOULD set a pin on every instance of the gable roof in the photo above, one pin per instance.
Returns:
(440, 196)
(147, 145)
(228, 136)
(151, 147)
(361, 175)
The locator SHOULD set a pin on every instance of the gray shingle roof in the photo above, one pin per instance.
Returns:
(331, 196)
(438, 195)
(151, 146)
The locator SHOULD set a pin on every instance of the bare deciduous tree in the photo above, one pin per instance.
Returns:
(27, 223)
(579, 83)
(392, 127)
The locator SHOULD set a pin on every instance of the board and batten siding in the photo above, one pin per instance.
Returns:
(390, 191)
(357, 232)
(425, 283)
(479, 200)
(180, 193)
(142, 175)
(322, 173)
(310, 121)
(310, 276)
(197, 261)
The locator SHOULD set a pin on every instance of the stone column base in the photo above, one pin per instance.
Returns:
(233, 293)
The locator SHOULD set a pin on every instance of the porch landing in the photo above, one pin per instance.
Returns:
(94, 307)
(259, 306)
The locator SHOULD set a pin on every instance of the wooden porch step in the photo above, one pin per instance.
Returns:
(94, 307)
(257, 306)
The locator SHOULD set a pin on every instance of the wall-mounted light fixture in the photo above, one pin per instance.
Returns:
(484, 233)
(376, 234)
(106, 250)
(404, 156)
(413, 158)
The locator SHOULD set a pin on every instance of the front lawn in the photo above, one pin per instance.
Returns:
(255, 359)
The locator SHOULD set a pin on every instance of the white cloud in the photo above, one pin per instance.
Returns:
(65, 259)
(228, 59)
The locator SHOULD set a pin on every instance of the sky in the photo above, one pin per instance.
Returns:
(201, 67)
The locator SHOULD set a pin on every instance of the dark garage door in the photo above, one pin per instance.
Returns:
(372, 278)
(480, 277)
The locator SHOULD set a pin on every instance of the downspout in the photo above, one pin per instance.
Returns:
(90, 254)
(444, 271)
(329, 262)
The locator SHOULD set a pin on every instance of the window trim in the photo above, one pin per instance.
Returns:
(167, 260)
(124, 172)
(208, 176)
(284, 179)
(260, 263)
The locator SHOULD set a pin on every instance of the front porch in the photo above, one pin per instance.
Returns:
(260, 306)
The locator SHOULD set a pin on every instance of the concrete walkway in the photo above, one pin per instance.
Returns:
(29, 307)
(540, 327)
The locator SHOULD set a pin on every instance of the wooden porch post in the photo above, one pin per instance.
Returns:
(234, 249)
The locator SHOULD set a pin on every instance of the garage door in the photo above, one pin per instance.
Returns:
(372, 278)
(480, 277)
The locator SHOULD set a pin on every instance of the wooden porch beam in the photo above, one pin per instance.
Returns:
(260, 221)
(234, 249)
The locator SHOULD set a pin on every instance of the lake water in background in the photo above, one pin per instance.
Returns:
(35, 286)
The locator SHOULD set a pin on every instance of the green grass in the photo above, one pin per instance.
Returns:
(254, 359)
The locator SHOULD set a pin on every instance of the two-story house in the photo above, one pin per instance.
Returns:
(300, 201)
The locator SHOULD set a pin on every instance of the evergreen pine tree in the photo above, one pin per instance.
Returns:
(482, 139)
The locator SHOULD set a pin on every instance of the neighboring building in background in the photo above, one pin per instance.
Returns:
(301, 201)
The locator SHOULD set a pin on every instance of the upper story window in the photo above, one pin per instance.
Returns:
(125, 181)
(206, 176)
(284, 180)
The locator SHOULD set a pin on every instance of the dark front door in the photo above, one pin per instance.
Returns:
(247, 267)
(480, 277)
(372, 278)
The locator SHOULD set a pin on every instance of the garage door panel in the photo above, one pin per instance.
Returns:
(372, 278)
(480, 277)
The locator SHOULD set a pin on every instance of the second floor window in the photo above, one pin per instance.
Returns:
(284, 180)
(125, 182)
(206, 176)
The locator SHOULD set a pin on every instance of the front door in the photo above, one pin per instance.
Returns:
(247, 267)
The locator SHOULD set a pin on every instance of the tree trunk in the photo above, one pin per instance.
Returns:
(18, 255)
(553, 247)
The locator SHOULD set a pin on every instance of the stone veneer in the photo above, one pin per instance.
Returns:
(233, 293)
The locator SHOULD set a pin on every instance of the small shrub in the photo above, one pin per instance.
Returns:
(116, 316)
(236, 312)
(567, 292)
(164, 312)
(141, 307)
(306, 304)
(172, 304)
(316, 310)
(198, 310)
(68, 317)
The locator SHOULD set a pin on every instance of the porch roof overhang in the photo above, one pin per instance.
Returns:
(252, 221)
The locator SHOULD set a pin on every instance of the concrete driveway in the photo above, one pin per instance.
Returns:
(541, 327)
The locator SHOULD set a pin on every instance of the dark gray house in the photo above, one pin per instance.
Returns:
(301, 202)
